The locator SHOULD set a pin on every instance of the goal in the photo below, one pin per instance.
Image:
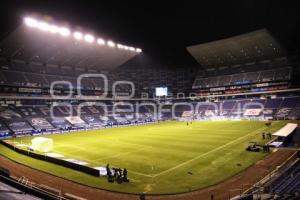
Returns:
(42, 144)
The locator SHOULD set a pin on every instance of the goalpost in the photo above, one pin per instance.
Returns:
(42, 144)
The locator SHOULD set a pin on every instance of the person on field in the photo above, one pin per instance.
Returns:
(125, 174)
(119, 175)
(263, 135)
(108, 172)
(143, 196)
(115, 173)
(269, 136)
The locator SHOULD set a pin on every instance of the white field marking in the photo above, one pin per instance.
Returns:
(68, 144)
(202, 129)
(121, 154)
(175, 167)
(117, 141)
(84, 149)
(202, 155)
(107, 140)
(227, 130)
(141, 174)
(116, 155)
(93, 162)
(75, 149)
(134, 180)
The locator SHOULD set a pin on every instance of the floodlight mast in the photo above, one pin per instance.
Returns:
(66, 32)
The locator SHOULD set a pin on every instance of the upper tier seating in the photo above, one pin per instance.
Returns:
(280, 74)
(145, 79)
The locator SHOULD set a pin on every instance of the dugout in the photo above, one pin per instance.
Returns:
(285, 135)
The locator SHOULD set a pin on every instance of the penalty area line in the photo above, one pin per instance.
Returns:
(121, 154)
(69, 155)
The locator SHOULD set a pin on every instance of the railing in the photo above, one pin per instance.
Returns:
(35, 191)
(274, 174)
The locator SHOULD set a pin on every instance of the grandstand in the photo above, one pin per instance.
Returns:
(97, 102)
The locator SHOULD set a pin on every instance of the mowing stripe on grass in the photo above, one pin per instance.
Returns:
(202, 155)
(117, 141)
(100, 163)
(121, 154)
(177, 148)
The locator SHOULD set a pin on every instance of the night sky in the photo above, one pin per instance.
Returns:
(163, 30)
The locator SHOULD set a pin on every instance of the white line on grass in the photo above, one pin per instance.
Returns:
(227, 130)
(141, 174)
(202, 155)
(121, 154)
(163, 172)
(75, 149)
(99, 163)
(120, 142)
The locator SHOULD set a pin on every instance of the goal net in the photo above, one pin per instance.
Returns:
(42, 144)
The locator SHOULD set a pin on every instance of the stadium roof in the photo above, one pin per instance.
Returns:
(257, 45)
(43, 41)
(286, 130)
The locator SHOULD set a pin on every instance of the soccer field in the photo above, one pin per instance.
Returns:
(161, 158)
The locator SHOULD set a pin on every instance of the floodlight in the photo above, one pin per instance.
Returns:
(43, 26)
(100, 41)
(30, 22)
(120, 46)
(53, 29)
(77, 35)
(64, 31)
(111, 43)
(131, 49)
(138, 50)
(89, 38)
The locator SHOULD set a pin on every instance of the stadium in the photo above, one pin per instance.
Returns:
(187, 104)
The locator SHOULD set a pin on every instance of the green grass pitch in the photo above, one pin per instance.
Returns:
(161, 158)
